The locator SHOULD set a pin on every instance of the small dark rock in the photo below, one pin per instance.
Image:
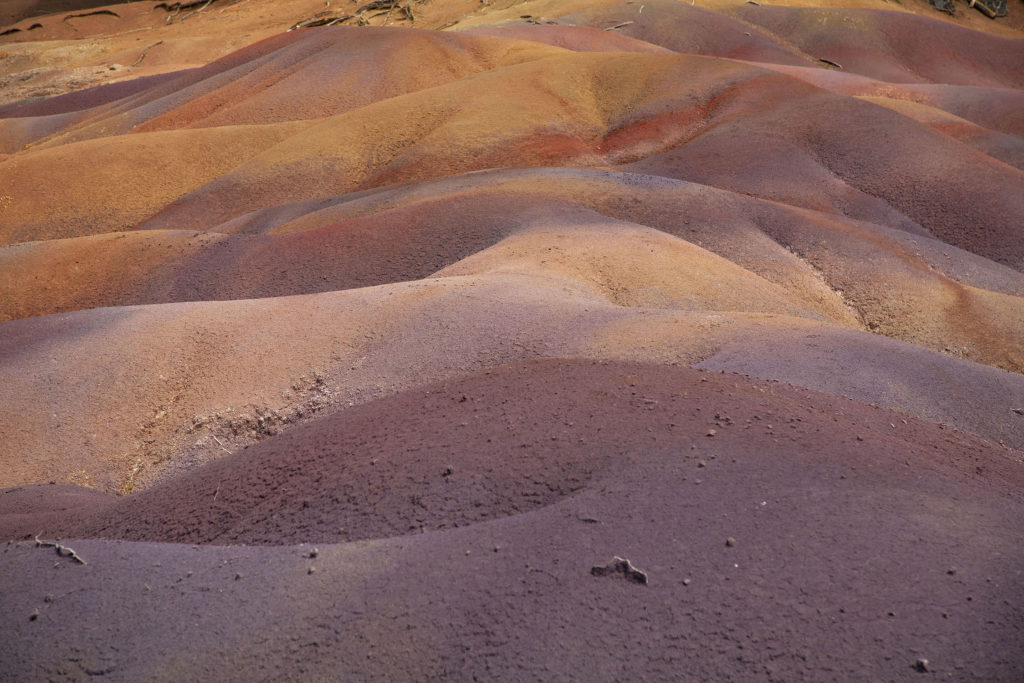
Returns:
(921, 666)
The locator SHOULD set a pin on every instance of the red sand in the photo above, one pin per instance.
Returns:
(348, 352)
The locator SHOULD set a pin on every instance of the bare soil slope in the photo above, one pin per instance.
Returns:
(780, 534)
(358, 340)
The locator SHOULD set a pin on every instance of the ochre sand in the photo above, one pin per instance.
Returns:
(475, 300)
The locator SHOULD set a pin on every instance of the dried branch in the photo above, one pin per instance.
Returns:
(143, 55)
(322, 19)
(372, 9)
(62, 550)
(620, 565)
(89, 14)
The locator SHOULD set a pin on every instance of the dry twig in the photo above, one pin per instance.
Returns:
(62, 550)
(372, 9)
(221, 445)
(143, 55)
(89, 14)
(620, 565)
(983, 8)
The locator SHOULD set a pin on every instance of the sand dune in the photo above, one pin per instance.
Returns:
(152, 390)
(482, 533)
(362, 350)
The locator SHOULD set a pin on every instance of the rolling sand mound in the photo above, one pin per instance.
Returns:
(170, 367)
(492, 497)
(894, 46)
(165, 388)
(306, 75)
(479, 297)
(853, 157)
(570, 37)
(1006, 148)
(998, 109)
(397, 235)
(928, 292)
(690, 29)
(470, 452)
